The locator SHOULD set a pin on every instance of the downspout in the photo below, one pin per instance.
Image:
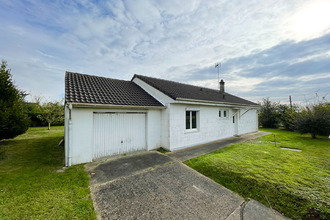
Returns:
(69, 136)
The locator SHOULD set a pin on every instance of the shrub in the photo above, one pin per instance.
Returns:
(314, 120)
(269, 115)
(287, 116)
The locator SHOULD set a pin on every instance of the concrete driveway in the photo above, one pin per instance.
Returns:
(150, 185)
(153, 186)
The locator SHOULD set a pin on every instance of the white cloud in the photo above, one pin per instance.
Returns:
(42, 39)
(176, 8)
(308, 78)
(236, 85)
(311, 20)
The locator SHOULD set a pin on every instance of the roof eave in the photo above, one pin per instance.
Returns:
(90, 105)
(206, 102)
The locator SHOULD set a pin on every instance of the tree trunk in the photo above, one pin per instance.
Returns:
(48, 126)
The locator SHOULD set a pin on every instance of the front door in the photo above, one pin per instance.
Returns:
(235, 123)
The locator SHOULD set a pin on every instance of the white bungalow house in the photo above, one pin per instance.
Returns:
(106, 116)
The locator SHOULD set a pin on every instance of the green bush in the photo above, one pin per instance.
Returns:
(287, 116)
(269, 115)
(314, 119)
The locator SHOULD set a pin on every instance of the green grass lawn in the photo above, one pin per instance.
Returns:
(294, 183)
(30, 187)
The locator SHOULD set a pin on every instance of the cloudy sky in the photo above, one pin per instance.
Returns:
(266, 48)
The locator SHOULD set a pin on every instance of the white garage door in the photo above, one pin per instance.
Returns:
(118, 133)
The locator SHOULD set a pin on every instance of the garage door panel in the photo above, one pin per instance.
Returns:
(118, 133)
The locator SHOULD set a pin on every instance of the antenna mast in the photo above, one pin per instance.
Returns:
(218, 65)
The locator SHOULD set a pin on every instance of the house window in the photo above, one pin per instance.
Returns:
(191, 120)
(223, 113)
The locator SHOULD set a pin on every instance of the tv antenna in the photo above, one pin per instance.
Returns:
(218, 65)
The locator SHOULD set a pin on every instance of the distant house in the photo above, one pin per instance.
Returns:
(106, 116)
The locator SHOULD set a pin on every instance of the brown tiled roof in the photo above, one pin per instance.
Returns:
(81, 88)
(179, 90)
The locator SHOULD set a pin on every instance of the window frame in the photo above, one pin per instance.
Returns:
(222, 113)
(190, 129)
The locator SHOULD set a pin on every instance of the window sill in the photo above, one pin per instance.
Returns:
(191, 131)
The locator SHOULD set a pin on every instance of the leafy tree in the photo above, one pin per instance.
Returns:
(13, 121)
(51, 112)
(287, 116)
(314, 120)
(269, 115)
(32, 110)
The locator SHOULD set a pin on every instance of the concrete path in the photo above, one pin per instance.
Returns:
(151, 185)
(254, 210)
(196, 151)
(127, 188)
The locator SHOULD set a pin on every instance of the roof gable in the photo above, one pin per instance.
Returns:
(177, 90)
(81, 88)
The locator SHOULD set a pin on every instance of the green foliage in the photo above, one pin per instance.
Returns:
(314, 120)
(287, 116)
(40, 114)
(32, 107)
(32, 110)
(294, 183)
(13, 120)
(162, 150)
(31, 187)
(51, 112)
(268, 115)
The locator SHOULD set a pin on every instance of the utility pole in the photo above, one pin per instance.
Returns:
(290, 101)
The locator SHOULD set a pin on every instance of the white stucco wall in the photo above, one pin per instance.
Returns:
(82, 131)
(153, 129)
(166, 101)
(210, 126)
(82, 134)
(165, 128)
(249, 121)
